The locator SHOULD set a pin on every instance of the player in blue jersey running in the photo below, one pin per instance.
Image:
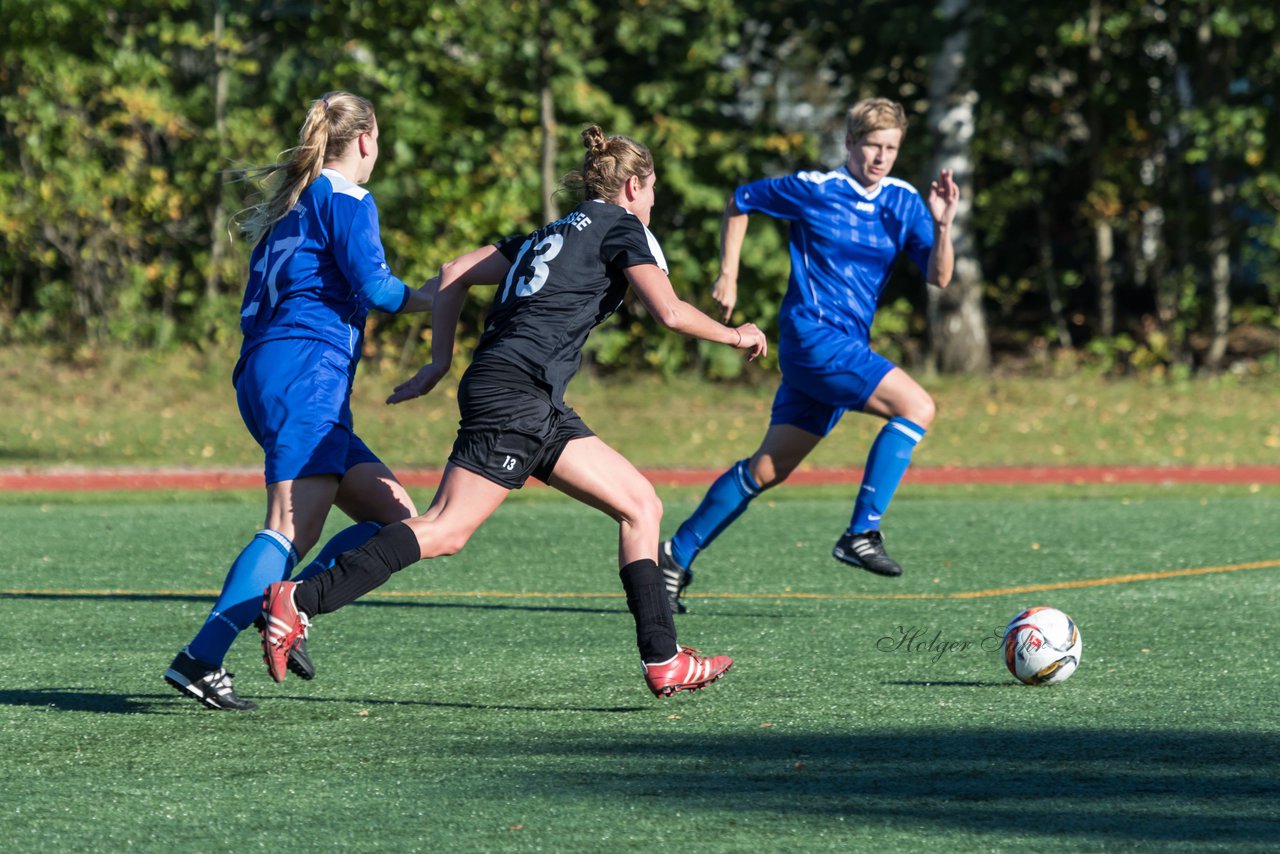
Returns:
(848, 227)
(555, 286)
(316, 271)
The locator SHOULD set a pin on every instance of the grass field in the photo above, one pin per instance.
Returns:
(491, 701)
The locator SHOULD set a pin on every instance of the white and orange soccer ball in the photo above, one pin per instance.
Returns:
(1042, 646)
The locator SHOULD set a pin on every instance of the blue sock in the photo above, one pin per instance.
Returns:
(268, 558)
(886, 464)
(725, 501)
(348, 538)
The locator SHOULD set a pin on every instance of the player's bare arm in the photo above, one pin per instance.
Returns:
(733, 229)
(483, 266)
(655, 291)
(420, 299)
(944, 196)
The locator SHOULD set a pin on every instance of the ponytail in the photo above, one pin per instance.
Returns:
(332, 123)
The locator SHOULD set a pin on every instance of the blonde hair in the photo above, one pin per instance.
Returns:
(609, 162)
(872, 114)
(333, 121)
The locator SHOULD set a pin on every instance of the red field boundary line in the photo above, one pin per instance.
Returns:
(84, 480)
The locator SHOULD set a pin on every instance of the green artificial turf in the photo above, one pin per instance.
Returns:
(491, 701)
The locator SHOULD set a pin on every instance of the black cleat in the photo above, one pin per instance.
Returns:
(675, 575)
(866, 550)
(300, 664)
(209, 685)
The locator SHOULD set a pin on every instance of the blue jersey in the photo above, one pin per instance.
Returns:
(844, 242)
(319, 270)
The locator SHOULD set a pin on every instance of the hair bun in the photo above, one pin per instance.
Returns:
(593, 140)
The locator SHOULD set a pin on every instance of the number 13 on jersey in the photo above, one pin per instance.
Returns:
(533, 258)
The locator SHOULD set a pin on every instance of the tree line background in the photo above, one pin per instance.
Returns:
(1118, 159)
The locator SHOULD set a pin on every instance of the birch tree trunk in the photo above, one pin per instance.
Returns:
(1212, 86)
(1102, 211)
(957, 324)
(1219, 266)
(1103, 253)
(1049, 277)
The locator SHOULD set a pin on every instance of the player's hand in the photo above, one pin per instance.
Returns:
(430, 287)
(752, 340)
(421, 383)
(944, 194)
(725, 293)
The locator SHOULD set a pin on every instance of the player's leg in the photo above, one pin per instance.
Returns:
(462, 502)
(783, 448)
(910, 411)
(798, 424)
(372, 497)
(295, 511)
(495, 421)
(589, 470)
(293, 398)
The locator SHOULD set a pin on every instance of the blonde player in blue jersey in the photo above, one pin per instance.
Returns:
(848, 227)
(316, 271)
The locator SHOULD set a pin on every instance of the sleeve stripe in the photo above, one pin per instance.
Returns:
(659, 258)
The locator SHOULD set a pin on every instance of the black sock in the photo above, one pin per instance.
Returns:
(358, 571)
(648, 603)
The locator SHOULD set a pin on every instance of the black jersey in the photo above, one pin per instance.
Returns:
(565, 279)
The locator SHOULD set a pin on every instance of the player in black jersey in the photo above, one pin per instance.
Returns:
(554, 286)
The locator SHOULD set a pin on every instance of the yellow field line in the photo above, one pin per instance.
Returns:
(1129, 578)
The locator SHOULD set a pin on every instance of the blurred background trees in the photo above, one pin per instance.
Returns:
(1120, 158)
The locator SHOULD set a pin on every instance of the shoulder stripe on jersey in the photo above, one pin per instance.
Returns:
(343, 186)
(898, 182)
(842, 174)
(815, 177)
(655, 249)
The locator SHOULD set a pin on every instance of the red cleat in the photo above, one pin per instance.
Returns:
(283, 627)
(686, 671)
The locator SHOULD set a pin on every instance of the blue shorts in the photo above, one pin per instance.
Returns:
(827, 376)
(295, 398)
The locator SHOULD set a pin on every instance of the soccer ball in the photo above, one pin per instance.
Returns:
(1042, 646)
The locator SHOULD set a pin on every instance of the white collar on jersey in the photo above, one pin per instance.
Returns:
(843, 174)
(866, 192)
(344, 185)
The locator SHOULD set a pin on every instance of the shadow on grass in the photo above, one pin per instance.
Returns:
(27, 456)
(1003, 683)
(63, 596)
(1106, 786)
(107, 596)
(76, 700)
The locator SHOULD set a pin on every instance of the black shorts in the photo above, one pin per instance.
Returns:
(510, 430)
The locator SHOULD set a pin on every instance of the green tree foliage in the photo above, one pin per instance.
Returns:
(120, 120)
